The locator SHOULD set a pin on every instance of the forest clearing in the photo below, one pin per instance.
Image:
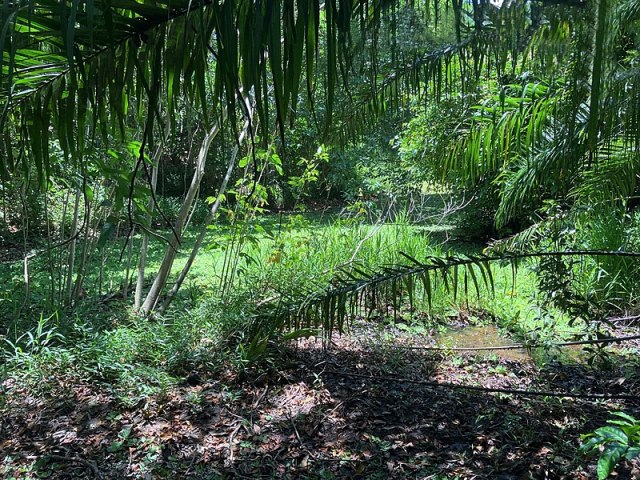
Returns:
(304, 239)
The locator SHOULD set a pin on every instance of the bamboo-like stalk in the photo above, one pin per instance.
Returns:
(52, 272)
(145, 237)
(27, 280)
(103, 258)
(100, 219)
(71, 258)
(78, 289)
(125, 280)
(155, 170)
(4, 204)
(27, 256)
(62, 232)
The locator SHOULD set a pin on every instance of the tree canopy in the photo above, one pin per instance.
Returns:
(539, 83)
(89, 66)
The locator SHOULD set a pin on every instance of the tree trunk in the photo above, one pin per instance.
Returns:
(172, 249)
(125, 282)
(145, 239)
(60, 255)
(78, 288)
(210, 216)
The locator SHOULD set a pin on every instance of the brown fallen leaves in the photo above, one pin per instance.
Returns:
(307, 423)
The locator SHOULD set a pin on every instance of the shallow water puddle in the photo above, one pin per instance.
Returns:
(483, 336)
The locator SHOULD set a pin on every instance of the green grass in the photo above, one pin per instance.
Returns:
(211, 324)
(106, 342)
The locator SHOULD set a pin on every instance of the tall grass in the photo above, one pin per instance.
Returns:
(285, 257)
(306, 257)
(135, 357)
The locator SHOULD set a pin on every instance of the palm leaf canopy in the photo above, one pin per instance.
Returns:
(73, 68)
(79, 65)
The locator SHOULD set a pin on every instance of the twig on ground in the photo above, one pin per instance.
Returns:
(229, 461)
(327, 415)
(259, 399)
(304, 447)
(74, 458)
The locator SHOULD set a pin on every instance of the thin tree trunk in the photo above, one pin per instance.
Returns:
(78, 289)
(59, 255)
(72, 250)
(209, 218)
(52, 270)
(103, 257)
(4, 205)
(170, 254)
(145, 238)
(27, 256)
(27, 281)
(125, 283)
(100, 216)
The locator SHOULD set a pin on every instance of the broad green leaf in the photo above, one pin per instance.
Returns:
(626, 416)
(613, 434)
(609, 458)
(632, 453)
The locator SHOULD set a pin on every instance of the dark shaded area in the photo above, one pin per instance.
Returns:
(309, 420)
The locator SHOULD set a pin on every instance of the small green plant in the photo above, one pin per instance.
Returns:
(498, 370)
(124, 439)
(457, 361)
(33, 342)
(383, 445)
(619, 439)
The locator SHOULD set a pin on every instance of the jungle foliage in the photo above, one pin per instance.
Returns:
(163, 163)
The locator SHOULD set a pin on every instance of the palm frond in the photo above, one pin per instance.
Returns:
(612, 177)
(69, 65)
(361, 293)
(502, 129)
(505, 38)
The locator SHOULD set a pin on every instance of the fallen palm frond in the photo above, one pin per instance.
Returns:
(360, 292)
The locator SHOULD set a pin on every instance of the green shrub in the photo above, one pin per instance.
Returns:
(619, 439)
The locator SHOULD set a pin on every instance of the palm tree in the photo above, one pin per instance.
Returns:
(72, 65)
(570, 133)
(76, 72)
(559, 123)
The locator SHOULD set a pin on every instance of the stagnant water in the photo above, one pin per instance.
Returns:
(489, 336)
(482, 336)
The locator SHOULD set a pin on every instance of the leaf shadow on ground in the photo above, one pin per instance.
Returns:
(327, 415)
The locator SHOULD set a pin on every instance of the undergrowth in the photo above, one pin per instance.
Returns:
(217, 327)
(210, 330)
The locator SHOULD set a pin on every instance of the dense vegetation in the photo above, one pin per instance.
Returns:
(317, 240)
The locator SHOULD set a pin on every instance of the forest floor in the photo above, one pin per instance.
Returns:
(364, 407)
